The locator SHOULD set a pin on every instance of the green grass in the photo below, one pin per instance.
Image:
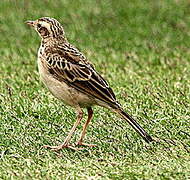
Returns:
(141, 48)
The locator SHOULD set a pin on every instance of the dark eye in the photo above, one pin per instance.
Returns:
(39, 25)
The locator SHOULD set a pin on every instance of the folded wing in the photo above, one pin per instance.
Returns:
(81, 76)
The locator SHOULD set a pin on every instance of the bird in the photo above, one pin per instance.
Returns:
(73, 79)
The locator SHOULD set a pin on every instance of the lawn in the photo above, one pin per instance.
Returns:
(142, 50)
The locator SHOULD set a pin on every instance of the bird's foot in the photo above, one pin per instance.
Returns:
(64, 145)
(58, 148)
(79, 143)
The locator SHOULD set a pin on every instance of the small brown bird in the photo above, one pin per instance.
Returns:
(73, 79)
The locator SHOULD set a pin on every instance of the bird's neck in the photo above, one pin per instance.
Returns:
(51, 41)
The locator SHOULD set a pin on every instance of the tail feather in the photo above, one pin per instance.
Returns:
(135, 125)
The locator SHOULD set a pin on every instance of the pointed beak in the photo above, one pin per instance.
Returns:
(31, 23)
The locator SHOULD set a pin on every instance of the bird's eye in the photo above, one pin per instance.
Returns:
(39, 25)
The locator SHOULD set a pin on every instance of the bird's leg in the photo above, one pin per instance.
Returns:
(80, 142)
(67, 139)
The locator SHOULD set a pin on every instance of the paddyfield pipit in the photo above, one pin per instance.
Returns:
(70, 77)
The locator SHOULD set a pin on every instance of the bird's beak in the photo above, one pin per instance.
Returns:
(31, 23)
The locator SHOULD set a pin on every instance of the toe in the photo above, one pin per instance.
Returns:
(53, 148)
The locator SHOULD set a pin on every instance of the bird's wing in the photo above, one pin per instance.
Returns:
(73, 69)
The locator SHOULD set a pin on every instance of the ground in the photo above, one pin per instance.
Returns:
(141, 48)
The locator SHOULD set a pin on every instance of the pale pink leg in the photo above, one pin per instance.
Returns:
(68, 138)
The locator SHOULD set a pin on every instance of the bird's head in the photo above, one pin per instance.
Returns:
(47, 27)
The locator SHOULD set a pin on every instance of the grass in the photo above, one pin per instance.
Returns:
(141, 48)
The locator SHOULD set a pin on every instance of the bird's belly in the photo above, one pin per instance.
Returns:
(62, 91)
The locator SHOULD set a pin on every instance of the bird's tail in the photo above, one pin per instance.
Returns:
(135, 125)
